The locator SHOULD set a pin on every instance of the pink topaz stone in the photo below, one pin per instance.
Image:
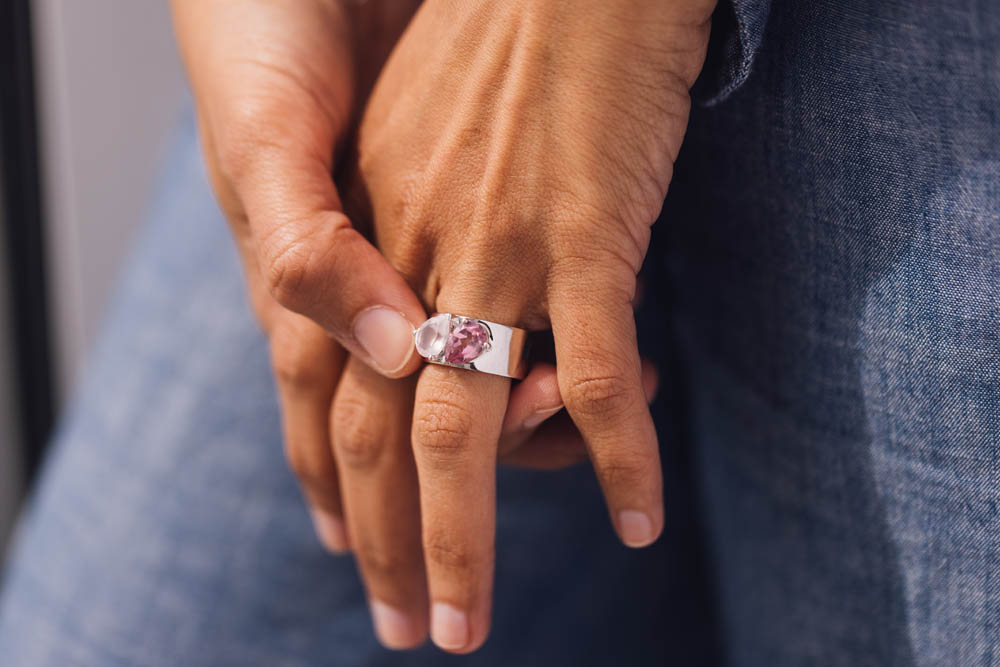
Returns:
(466, 342)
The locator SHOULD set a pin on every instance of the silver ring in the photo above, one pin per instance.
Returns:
(474, 344)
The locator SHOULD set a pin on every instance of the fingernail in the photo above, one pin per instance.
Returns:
(635, 528)
(395, 629)
(386, 336)
(540, 416)
(331, 531)
(449, 626)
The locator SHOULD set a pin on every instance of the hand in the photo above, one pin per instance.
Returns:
(512, 156)
(276, 88)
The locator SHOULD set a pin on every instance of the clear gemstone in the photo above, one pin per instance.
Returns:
(431, 336)
(466, 342)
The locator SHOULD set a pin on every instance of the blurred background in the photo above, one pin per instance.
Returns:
(89, 93)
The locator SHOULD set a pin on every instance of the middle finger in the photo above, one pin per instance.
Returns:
(370, 432)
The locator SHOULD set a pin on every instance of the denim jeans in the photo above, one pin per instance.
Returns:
(831, 249)
(823, 300)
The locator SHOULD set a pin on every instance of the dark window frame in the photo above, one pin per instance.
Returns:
(22, 220)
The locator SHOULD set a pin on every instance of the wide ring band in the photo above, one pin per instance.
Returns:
(473, 344)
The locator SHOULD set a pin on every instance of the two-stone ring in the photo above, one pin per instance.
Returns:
(474, 344)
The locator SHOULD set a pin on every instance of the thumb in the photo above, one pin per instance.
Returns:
(275, 88)
(316, 263)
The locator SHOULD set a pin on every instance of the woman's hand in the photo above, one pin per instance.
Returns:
(276, 87)
(512, 156)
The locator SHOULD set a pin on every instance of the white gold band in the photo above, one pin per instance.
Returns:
(473, 344)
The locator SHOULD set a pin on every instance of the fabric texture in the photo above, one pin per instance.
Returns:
(737, 30)
(832, 240)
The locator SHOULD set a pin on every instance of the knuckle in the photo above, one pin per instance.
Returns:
(442, 426)
(313, 469)
(358, 433)
(300, 254)
(445, 551)
(288, 270)
(382, 564)
(295, 362)
(612, 265)
(622, 471)
(598, 391)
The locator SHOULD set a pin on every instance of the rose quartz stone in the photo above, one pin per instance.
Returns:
(466, 342)
(432, 335)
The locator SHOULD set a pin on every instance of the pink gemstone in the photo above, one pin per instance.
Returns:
(466, 342)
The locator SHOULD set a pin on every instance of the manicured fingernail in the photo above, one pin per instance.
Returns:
(635, 528)
(540, 416)
(449, 626)
(331, 531)
(386, 336)
(395, 629)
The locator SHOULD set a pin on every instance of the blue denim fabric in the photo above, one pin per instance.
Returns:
(831, 249)
(168, 531)
(823, 297)
(737, 30)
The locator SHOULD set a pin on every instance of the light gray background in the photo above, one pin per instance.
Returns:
(110, 86)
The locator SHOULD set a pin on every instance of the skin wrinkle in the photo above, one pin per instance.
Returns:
(336, 112)
(294, 364)
(296, 270)
(443, 550)
(359, 435)
(386, 565)
(249, 146)
(673, 88)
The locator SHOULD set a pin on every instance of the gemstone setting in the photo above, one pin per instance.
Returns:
(473, 344)
(431, 336)
(454, 340)
(468, 339)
